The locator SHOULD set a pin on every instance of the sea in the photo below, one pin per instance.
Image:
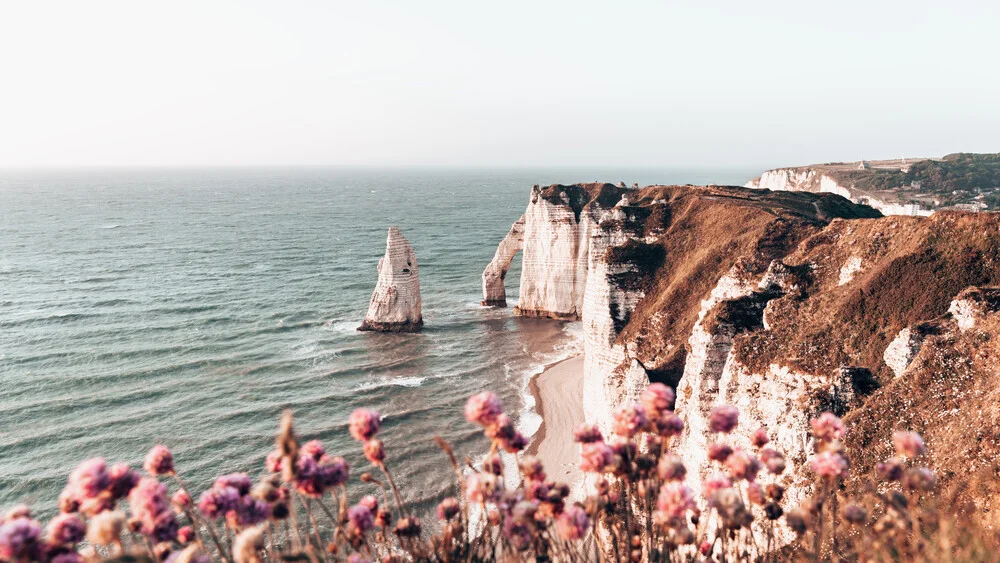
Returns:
(190, 307)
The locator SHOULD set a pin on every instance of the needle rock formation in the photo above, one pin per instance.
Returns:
(395, 304)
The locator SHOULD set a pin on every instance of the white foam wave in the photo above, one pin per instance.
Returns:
(413, 381)
(342, 327)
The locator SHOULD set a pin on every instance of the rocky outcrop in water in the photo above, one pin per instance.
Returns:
(494, 293)
(395, 304)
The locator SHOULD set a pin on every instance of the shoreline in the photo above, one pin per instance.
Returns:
(558, 393)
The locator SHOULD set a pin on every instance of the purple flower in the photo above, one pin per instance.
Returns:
(274, 461)
(333, 472)
(239, 481)
(364, 424)
(313, 449)
(248, 511)
(656, 399)
(629, 420)
(123, 480)
(596, 457)
(668, 424)
(448, 508)
(66, 557)
(714, 484)
(587, 433)
(148, 503)
(573, 523)
(215, 503)
(501, 428)
(827, 427)
(360, 518)
(483, 408)
(19, 539)
(908, 444)
(181, 499)
(724, 418)
(536, 490)
(830, 465)
(919, 479)
(515, 443)
(159, 461)
(66, 529)
(891, 470)
(675, 500)
(90, 478)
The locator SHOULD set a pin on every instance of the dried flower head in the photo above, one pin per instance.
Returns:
(674, 500)
(714, 484)
(891, 469)
(532, 468)
(360, 519)
(759, 438)
(66, 529)
(247, 546)
(717, 451)
(773, 460)
(743, 465)
(374, 451)
(481, 487)
(106, 528)
(448, 508)
(919, 479)
(724, 418)
(668, 424)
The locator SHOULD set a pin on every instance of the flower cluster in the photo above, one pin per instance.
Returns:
(486, 410)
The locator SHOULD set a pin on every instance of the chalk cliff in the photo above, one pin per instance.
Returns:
(395, 303)
(783, 304)
(494, 293)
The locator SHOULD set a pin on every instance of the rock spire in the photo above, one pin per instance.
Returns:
(395, 304)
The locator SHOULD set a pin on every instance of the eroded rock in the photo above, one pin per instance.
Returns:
(395, 304)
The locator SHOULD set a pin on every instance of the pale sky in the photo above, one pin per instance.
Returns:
(468, 83)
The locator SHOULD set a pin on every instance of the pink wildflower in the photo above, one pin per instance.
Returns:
(759, 438)
(17, 511)
(448, 508)
(500, 428)
(332, 472)
(629, 420)
(755, 493)
(274, 461)
(674, 500)
(532, 469)
(90, 478)
(181, 499)
(159, 461)
(573, 523)
(185, 535)
(657, 398)
(148, 503)
(830, 465)
(239, 481)
(313, 449)
(724, 418)
(493, 464)
(743, 465)
(668, 424)
(374, 451)
(827, 428)
(717, 451)
(714, 484)
(671, 468)
(908, 444)
(214, 503)
(515, 443)
(587, 433)
(370, 501)
(364, 424)
(483, 408)
(773, 460)
(596, 457)
(66, 529)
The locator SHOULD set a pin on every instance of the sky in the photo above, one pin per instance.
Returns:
(469, 83)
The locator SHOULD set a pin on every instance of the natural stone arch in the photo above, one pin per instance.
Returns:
(494, 293)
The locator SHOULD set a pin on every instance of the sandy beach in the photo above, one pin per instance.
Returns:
(558, 395)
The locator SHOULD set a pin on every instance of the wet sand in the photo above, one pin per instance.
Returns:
(558, 395)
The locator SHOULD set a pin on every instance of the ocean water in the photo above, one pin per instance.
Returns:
(189, 307)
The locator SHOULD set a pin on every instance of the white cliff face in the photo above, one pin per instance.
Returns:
(809, 180)
(395, 304)
(847, 271)
(494, 293)
(554, 270)
(608, 380)
(901, 351)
